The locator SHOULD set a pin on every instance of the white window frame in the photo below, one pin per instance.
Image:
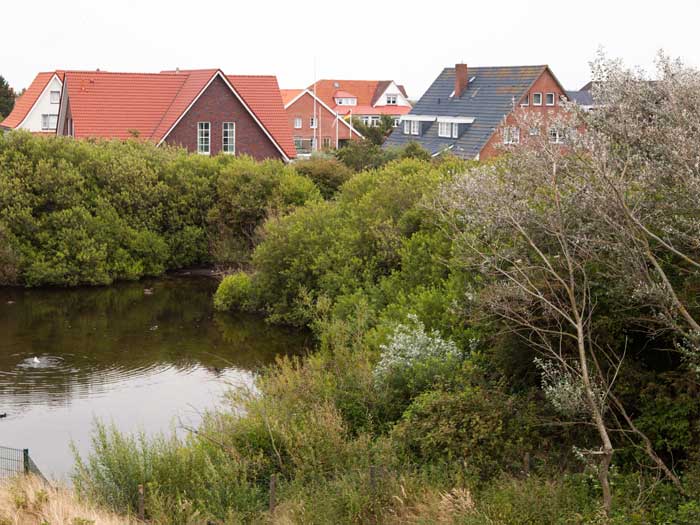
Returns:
(444, 129)
(534, 131)
(455, 130)
(526, 101)
(298, 122)
(511, 135)
(415, 127)
(228, 138)
(392, 99)
(313, 122)
(406, 127)
(396, 122)
(46, 121)
(546, 99)
(375, 121)
(201, 128)
(536, 96)
(365, 120)
(556, 135)
(54, 96)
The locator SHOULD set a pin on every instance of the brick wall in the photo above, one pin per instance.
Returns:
(218, 105)
(304, 108)
(545, 84)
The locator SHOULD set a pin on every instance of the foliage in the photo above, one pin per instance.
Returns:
(327, 173)
(375, 133)
(366, 155)
(90, 212)
(234, 292)
(7, 98)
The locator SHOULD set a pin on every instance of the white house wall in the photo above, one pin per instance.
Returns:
(43, 106)
(393, 89)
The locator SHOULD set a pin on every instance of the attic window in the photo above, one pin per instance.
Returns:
(346, 101)
(549, 100)
(55, 97)
(537, 99)
(391, 100)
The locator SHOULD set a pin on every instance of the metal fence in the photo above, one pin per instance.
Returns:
(15, 461)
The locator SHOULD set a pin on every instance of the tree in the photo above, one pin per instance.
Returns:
(611, 217)
(7, 98)
(376, 134)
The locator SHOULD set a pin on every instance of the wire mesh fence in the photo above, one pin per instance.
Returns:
(15, 461)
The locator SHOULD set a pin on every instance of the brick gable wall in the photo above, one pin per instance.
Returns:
(304, 109)
(218, 105)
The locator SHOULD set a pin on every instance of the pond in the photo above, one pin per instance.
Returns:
(149, 355)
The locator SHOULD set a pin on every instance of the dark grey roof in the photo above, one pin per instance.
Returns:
(488, 98)
(582, 98)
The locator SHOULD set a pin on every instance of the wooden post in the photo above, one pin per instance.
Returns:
(141, 503)
(273, 489)
(25, 460)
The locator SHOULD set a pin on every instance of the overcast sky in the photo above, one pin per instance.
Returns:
(362, 39)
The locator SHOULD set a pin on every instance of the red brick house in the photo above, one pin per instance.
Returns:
(315, 126)
(473, 112)
(205, 111)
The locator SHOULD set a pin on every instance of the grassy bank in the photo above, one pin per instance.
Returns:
(29, 501)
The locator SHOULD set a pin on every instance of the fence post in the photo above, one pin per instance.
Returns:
(273, 489)
(25, 460)
(141, 504)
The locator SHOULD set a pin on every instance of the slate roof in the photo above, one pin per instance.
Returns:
(488, 98)
(582, 98)
(25, 103)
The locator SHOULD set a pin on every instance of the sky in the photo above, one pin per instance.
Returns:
(409, 42)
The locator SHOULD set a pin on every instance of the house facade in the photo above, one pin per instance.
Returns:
(37, 109)
(315, 126)
(474, 112)
(366, 100)
(204, 111)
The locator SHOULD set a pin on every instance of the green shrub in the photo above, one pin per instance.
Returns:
(234, 292)
(327, 173)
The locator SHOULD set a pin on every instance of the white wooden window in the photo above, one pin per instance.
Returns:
(55, 97)
(415, 127)
(511, 135)
(49, 122)
(204, 138)
(376, 120)
(391, 100)
(537, 99)
(556, 135)
(312, 122)
(228, 138)
(297, 122)
(549, 100)
(396, 122)
(365, 120)
(444, 129)
(526, 100)
(455, 130)
(345, 101)
(406, 127)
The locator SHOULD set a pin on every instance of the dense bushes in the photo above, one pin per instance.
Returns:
(79, 212)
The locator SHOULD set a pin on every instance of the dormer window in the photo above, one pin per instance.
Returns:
(55, 97)
(392, 100)
(415, 127)
(346, 101)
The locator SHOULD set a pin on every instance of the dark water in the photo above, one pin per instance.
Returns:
(148, 356)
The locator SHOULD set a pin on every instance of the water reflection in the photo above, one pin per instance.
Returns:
(140, 358)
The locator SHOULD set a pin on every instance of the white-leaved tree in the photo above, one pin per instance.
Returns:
(615, 209)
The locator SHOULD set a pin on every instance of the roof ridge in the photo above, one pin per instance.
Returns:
(157, 126)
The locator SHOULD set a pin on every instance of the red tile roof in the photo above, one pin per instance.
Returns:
(115, 105)
(366, 91)
(261, 93)
(289, 94)
(26, 102)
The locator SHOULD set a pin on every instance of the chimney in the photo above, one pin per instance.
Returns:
(461, 79)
